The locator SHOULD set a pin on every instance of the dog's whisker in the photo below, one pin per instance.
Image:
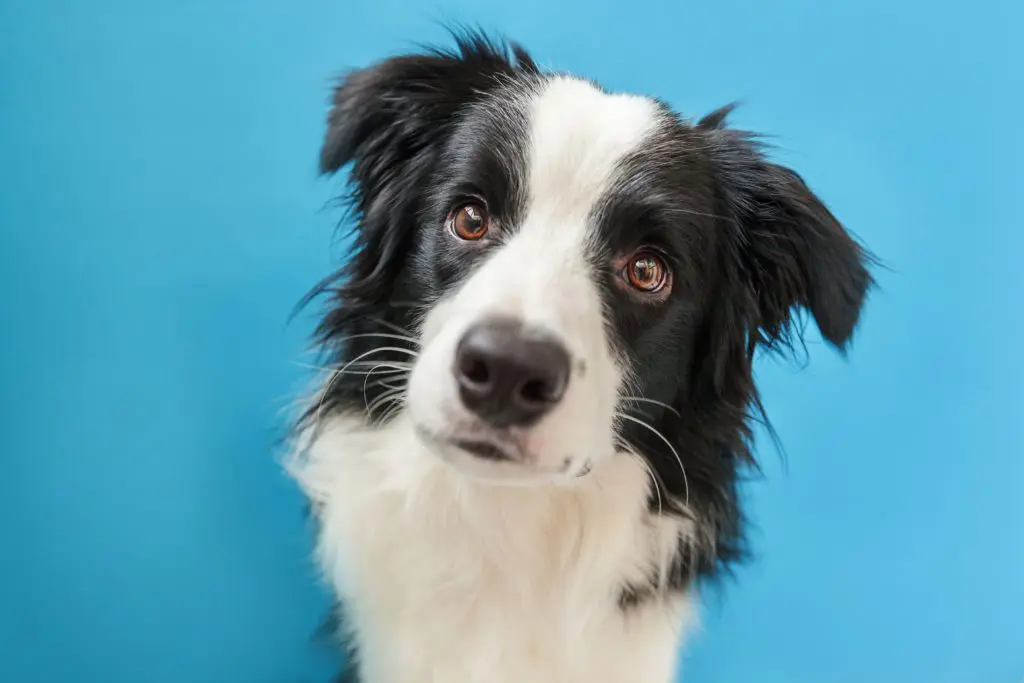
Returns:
(384, 383)
(632, 452)
(392, 367)
(366, 379)
(397, 328)
(394, 349)
(390, 388)
(370, 363)
(384, 335)
(642, 399)
(380, 400)
(394, 411)
(702, 214)
(384, 399)
(326, 390)
(397, 403)
(682, 469)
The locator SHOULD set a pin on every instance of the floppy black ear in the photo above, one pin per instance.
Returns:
(389, 122)
(788, 248)
(388, 113)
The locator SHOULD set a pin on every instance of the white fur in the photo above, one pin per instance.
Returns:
(450, 578)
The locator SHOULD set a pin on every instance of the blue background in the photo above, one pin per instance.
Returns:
(160, 216)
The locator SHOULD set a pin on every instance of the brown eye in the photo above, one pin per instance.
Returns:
(469, 221)
(647, 272)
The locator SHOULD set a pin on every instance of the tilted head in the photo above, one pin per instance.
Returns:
(569, 273)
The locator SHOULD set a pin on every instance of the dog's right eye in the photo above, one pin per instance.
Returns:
(469, 221)
(647, 272)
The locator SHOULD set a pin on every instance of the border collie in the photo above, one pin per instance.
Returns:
(525, 456)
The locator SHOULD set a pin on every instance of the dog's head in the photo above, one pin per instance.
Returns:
(567, 272)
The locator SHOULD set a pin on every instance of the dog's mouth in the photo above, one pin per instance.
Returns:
(487, 450)
(492, 454)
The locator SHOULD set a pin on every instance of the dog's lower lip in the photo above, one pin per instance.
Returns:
(482, 449)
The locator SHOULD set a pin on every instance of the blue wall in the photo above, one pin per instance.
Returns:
(160, 215)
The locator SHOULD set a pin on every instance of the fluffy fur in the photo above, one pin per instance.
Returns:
(565, 549)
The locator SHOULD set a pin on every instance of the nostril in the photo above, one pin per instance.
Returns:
(536, 391)
(475, 370)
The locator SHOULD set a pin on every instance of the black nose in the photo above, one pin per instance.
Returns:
(508, 374)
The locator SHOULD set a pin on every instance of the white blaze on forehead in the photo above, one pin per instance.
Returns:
(578, 137)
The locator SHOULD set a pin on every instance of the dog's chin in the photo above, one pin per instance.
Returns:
(498, 460)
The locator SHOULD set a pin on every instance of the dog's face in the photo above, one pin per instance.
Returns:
(523, 364)
(588, 272)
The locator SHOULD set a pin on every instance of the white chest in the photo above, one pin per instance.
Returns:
(449, 580)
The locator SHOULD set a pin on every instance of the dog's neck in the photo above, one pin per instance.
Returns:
(425, 556)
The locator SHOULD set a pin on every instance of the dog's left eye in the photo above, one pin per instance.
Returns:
(647, 272)
(469, 221)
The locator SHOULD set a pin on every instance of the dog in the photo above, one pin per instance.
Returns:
(524, 460)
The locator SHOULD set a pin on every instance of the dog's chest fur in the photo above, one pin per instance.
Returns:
(450, 580)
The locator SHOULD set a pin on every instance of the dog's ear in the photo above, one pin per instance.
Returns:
(385, 115)
(785, 246)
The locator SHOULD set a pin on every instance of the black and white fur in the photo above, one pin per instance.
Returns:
(572, 557)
